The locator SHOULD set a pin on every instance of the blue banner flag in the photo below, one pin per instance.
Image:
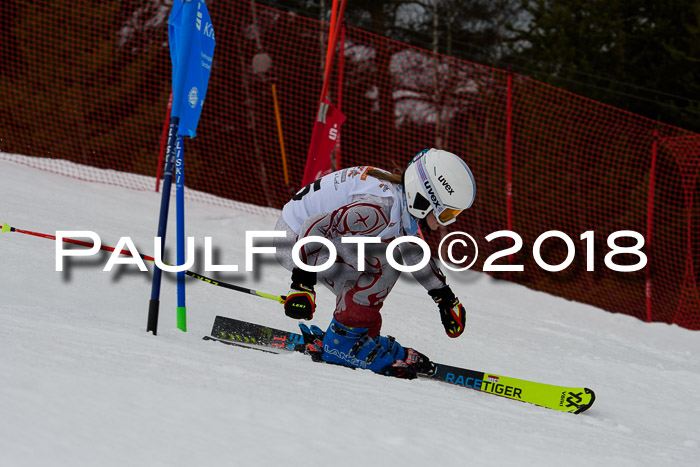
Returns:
(191, 34)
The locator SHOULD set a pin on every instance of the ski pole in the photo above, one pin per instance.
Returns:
(208, 280)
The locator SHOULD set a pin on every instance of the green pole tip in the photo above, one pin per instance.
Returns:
(6, 227)
(182, 318)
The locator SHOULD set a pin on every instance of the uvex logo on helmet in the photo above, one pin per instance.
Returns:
(446, 184)
(431, 193)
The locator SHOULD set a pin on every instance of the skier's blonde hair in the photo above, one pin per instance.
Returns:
(395, 178)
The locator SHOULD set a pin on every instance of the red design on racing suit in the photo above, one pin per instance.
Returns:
(358, 218)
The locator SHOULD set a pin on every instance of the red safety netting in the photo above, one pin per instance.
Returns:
(89, 82)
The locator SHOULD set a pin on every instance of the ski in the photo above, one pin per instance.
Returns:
(562, 398)
(236, 344)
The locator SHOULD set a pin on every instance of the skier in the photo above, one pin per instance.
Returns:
(368, 202)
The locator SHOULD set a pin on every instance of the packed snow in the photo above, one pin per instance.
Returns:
(82, 383)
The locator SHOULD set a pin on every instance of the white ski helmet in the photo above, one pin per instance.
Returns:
(438, 180)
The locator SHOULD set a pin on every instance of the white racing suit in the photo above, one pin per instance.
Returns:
(351, 203)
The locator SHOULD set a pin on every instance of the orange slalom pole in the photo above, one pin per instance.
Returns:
(279, 135)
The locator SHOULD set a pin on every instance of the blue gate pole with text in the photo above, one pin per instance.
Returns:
(154, 304)
(195, 46)
(180, 228)
(191, 37)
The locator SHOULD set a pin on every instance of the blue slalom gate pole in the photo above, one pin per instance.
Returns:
(191, 35)
(154, 304)
(180, 228)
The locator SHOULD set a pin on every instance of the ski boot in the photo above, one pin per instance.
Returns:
(403, 356)
(352, 347)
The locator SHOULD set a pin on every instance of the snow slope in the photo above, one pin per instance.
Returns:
(83, 384)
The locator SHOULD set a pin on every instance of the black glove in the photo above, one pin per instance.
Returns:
(452, 313)
(301, 299)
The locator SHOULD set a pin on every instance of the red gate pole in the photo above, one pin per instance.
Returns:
(327, 118)
(509, 155)
(341, 63)
(334, 15)
(650, 218)
(331, 48)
